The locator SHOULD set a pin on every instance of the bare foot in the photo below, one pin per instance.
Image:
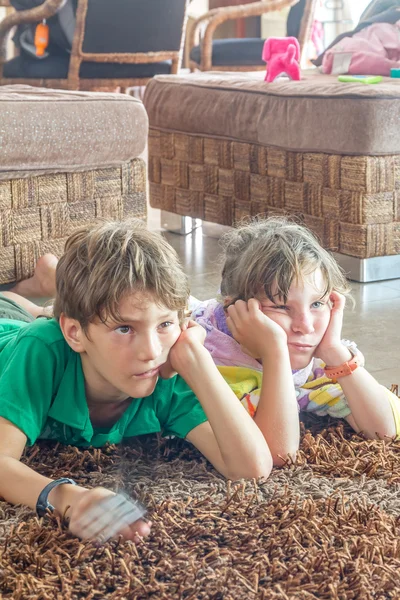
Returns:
(43, 282)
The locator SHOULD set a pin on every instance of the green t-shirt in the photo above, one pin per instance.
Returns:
(42, 391)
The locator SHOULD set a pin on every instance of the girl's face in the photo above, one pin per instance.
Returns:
(304, 318)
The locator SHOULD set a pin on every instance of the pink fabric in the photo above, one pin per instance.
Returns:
(372, 51)
(317, 36)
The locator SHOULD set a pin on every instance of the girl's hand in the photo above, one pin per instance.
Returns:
(100, 514)
(258, 335)
(331, 349)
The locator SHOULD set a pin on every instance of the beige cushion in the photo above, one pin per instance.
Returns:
(48, 131)
(316, 114)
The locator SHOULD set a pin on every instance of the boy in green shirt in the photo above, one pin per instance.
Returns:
(117, 360)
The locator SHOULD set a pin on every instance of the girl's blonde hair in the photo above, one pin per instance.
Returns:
(107, 260)
(267, 255)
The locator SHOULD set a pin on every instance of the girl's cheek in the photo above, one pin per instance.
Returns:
(324, 320)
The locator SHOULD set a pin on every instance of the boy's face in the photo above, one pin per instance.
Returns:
(122, 359)
(304, 318)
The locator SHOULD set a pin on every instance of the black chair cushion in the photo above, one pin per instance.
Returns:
(231, 52)
(134, 25)
(56, 67)
(293, 23)
(118, 25)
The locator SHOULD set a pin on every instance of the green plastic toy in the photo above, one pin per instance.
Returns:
(360, 78)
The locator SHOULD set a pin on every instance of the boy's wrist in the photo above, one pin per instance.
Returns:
(64, 496)
(43, 504)
(194, 365)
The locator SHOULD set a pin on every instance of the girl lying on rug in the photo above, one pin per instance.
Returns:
(102, 370)
(275, 335)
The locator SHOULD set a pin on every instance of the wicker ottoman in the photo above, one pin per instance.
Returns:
(67, 158)
(226, 146)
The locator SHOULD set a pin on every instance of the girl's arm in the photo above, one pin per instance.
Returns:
(368, 400)
(371, 411)
(277, 414)
(230, 439)
(19, 484)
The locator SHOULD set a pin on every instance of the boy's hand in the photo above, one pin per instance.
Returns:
(196, 333)
(100, 514)
(258, 335)
(166, 371)
(331, 349)
(192, 336)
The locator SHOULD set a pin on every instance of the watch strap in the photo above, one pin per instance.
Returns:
(43, 504)
(347, 368)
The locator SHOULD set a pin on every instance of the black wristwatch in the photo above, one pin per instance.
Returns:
(42, 504)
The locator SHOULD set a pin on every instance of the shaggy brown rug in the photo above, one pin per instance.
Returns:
(327, 527)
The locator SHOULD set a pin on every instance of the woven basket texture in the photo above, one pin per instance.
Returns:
(351, 202)
(37, 214)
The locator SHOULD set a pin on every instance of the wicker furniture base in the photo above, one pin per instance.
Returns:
(351, 202)
(37, 214)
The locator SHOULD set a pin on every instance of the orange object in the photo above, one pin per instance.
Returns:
(347, 368)
(41, 38)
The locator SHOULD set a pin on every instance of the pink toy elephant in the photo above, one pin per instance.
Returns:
(282, 56)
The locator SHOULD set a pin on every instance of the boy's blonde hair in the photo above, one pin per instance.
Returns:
(265, 253)
(107, 260)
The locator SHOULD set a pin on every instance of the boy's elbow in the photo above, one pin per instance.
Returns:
(263, 470)
(284, 456)
(261, 467)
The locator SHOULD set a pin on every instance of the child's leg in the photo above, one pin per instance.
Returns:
(27, 305)
(43, 282)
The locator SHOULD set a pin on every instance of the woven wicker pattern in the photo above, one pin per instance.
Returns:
(37, 214)
(351, 202)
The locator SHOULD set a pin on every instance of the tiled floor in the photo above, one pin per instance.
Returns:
(374, 323)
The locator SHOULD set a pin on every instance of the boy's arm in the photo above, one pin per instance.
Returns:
(19, 484)
(26, 387)
(230, 439)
